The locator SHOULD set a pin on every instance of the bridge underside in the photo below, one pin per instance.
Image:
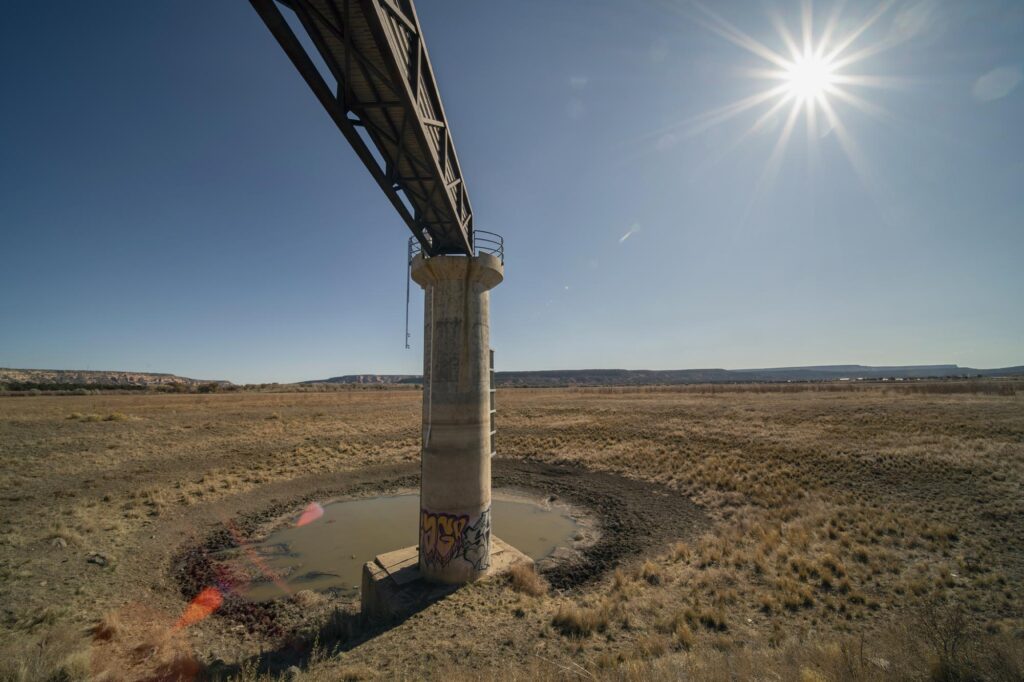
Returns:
(385, 101)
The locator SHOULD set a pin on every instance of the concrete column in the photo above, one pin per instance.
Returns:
(455, 470)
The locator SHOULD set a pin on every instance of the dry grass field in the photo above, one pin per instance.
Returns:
(863, 533)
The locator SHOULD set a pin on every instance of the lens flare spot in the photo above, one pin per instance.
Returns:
(205, 603)
(311, 513)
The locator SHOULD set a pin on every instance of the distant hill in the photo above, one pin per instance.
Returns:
(370, 379)
(58, 378)
(640, 377)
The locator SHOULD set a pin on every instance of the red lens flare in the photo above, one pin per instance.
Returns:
(256, 560)
(311, 513)
(205, 603)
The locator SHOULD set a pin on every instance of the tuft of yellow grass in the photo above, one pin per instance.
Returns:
(683, 635)
(108, 628)
(681, 551)
(576, 621)
(651, 572)
(524, 579)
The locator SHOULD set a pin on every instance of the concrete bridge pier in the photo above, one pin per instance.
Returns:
(455, 485)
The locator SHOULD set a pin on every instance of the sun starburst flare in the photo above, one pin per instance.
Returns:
(809, 79)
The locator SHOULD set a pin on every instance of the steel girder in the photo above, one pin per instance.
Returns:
(385, 86)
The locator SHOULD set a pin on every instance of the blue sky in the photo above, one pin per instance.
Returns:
(173, 198)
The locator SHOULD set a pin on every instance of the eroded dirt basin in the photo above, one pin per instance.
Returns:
(619, 519)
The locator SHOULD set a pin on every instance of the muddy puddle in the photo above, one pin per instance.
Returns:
(324, 548)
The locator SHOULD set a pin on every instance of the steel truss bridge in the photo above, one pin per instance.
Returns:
(385, 102)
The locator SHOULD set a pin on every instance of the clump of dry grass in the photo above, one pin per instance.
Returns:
(56, 654)
(678, 626)
(683, 635)
(652, 573)
(711, 618)
(167, 653)
(680, 551)
(794, 595)
(650, 646)
(578, 621)
(108, 627)
(524, 579)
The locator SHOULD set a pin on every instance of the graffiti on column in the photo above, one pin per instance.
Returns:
(476, 542)
(444, 537)
(440, 537)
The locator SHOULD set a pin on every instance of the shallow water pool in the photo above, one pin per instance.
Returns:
(327, 551)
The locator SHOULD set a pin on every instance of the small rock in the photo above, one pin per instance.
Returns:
(59, 543)
(98, 559)
(879, 663)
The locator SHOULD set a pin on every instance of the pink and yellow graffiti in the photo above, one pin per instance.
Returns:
(440, 537)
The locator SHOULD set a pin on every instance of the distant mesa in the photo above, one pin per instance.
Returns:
(370, 379)
(641, 377)
(74, 378)
(71, 379)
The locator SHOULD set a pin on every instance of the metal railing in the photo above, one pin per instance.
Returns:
(490, 243)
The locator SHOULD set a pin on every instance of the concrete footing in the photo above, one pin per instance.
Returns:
(394, 588)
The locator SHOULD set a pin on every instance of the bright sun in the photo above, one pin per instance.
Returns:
(809, 77)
